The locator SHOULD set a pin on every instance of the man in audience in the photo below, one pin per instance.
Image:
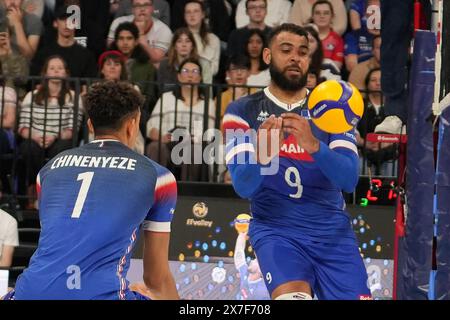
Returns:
(124, 8)
(80, 61)
(154, 37)
(26, 28)
(277, 13)
(256, 11)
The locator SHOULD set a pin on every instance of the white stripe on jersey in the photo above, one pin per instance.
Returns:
(234, 118)
(164, 180)
(343, 144)
(156, 226)
(38, 180)
(243, 147)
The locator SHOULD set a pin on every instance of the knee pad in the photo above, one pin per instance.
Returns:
(294, 296)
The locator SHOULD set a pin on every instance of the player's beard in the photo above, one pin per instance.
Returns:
(285, 83)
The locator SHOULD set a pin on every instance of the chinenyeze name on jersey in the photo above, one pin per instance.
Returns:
(94, 162)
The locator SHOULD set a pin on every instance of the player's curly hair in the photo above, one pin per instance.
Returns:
(109, 103)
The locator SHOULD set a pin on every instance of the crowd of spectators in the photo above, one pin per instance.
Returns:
(52, 50)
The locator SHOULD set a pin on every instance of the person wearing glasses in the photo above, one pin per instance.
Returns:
(256, 11)
(154, 35)
(277, 13)
(183, 46)
(183, 108)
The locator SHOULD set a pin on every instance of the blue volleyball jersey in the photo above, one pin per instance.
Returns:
(299, 200)
(93, 201)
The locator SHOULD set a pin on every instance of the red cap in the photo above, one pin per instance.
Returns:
(105, 54)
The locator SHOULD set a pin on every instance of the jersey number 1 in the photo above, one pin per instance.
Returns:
(296, 183)
(86, 177)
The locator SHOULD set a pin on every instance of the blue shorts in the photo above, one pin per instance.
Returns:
(334, 271)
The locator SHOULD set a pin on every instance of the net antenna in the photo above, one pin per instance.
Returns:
(438, 105)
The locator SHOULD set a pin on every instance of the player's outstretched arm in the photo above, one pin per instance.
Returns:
(157, 275)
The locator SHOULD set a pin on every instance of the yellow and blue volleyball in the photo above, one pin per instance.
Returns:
(241, 222)
(335, 106)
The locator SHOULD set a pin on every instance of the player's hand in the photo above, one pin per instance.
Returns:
(299, 127)
(269, 130)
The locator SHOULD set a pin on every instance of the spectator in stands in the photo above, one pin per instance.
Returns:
(208, 44)
(183, 108)
(112, 67)
(277, 13)
(315, 52)
(154, 35)
(377, 154)
(161, 9)
(14, 65)
(373, 113)
(8, 103)
(139, 68)
(47, 120)
(332, 43)
(256, 11)
(26, 28)
(80, 60)
(182, 47)
(9, 238)
(358, 42)
(312, 80)
(238, 71)
(35, 7)
(259, 72)
(219, 16)
(302, 9)
(360, 71)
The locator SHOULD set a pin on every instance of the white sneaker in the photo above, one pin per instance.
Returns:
(391, 125)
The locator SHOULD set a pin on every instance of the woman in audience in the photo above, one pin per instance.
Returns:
(47, 119)
(332, 43)
(259, 72)
(377, 154)
(301, 14)
(208, 44)
(183, 108)
(182, 47)
(315, 51)
(138, 66)
(111, 66)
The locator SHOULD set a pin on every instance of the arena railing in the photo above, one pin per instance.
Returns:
(16, 166)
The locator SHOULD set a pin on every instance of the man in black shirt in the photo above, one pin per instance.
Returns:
(80, 61)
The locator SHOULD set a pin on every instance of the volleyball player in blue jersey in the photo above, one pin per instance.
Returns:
(300, 231)
(93, 202)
